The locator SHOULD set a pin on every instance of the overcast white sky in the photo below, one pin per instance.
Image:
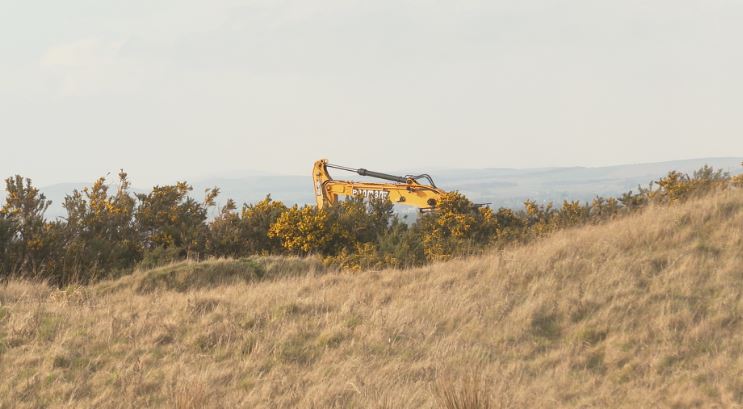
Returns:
(185, 89)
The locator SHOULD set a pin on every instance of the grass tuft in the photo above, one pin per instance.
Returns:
(466, 394)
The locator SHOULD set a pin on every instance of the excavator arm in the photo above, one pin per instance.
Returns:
(405, 190)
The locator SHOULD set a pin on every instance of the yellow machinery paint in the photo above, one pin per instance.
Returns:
(406, 190)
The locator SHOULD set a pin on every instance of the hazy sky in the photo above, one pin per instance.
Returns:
(185, 89)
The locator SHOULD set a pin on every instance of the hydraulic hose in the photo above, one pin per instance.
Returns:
(364, 172)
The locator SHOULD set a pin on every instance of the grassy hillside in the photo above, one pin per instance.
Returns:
(641, 312)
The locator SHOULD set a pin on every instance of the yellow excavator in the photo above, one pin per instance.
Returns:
(407, 190)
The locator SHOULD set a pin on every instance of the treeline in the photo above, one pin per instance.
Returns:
(110, 231)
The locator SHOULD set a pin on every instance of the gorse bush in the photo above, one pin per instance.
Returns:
(168, 217)
(24, 230)
(110, 231)
(99, 236)
(456, 227)
(233, 234)
(337, 229)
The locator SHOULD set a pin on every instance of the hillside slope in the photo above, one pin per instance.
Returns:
(641, 312)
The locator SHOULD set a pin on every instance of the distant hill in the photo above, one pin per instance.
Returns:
(499, 186)
(510, 187)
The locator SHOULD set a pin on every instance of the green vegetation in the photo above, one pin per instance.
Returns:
(109, 234)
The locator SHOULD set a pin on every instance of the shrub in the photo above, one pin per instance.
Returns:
(303, 230)
(99, 236)
(247, 233)
(256, 220)
(457, 227)
(168, 217)
(109, 233)
(23, 226)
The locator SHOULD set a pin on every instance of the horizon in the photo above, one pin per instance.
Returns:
(239, 174)
(502, 187)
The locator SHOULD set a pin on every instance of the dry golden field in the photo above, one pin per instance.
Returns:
(645, 311)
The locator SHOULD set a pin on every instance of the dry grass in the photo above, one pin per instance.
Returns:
(642, 312)
(469, 395)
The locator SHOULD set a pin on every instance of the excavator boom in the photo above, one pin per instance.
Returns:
(406, 189)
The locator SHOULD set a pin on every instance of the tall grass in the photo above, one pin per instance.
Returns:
(469, 394)
(645, 311)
